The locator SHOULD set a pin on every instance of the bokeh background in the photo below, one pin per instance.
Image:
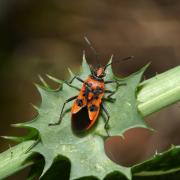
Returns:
(46, 37)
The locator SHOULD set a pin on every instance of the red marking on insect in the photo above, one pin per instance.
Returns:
(89, 98)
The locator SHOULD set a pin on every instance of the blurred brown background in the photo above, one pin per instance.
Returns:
(46, 36)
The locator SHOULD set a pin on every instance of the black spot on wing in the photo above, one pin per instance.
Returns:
(79, 102)
(93, 108)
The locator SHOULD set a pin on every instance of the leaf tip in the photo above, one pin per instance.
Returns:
(172, 146)
(35, 107)
(5, 137)
(41, 89)
(54, 79)
(43, 81)
(111, 59)
(84, 57)
(17, 125)
(146, 66)
(46, 167)
(12, 138)
(70, 73)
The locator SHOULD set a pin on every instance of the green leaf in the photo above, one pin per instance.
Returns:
(161, 164)
(123, 112)
(85, 150)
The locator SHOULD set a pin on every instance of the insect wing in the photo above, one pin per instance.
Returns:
(78, 104)
(93, 111)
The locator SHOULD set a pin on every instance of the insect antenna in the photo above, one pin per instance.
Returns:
(124, 59)
(93, 49)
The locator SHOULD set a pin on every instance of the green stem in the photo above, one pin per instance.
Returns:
(159, 91)
(13, 159)
(154, 94)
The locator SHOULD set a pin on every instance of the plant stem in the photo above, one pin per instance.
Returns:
(154, 94)
(159, 91)
(13, 159)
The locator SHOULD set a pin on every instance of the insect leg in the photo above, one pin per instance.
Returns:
(70, 82)
(117, 83)
(110, 93)
(114, 81)
(33, 145)
(108, 116)
(76, 77)
(60, 118)
(81, 80)
(110, 81)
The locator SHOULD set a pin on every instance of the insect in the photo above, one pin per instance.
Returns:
(87, 104)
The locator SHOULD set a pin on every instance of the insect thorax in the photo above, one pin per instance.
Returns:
(93, 88)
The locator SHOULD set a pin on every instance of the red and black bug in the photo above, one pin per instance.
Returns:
(88, 103)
